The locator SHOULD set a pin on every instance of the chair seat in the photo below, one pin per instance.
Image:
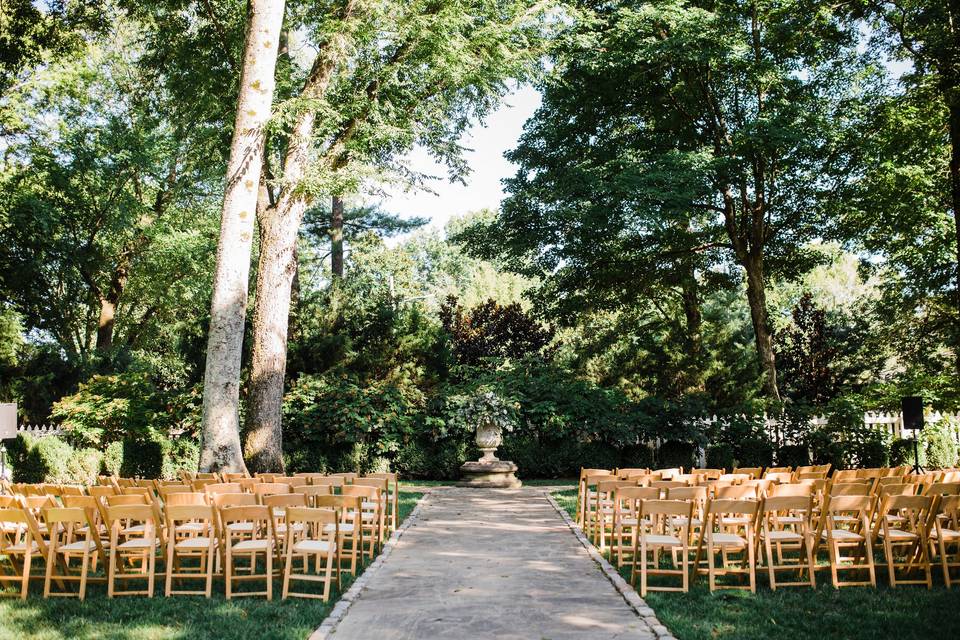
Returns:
(21, 548)
(370, 505)
(77, 547)
(842, 535)
(199, 542)
(252, 545)
(898, 534)
(344, 528)
(735, 520)
(780, 536)
(240, 526)
(191, 527)
(314, 546)
(136, 543)
(790, 519)
(662, 540)
(137, 528)
(728, 540)
(948, 534)
(282, 527)
(680, 521)
(632, 522)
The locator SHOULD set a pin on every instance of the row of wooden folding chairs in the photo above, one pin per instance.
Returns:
(590, 510)
(128, 531)
(911, 529)
(327, 486)
(600, 518)
(389, 483)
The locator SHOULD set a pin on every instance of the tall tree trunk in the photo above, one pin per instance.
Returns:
(281, 222)
(690, 293)
(263, 439)
(336, 237)
(757, 297)
(953, 103)
(108, 311)
(221, 385)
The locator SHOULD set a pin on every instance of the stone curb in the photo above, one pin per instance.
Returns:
(328, 627)
(626, 591)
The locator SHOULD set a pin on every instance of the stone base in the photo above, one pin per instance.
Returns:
(496, 474)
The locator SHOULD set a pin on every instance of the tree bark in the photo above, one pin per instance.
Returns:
(690, 294)
(757, 298)
(336, 237)
(263, 439)
(221, 387)
(281, 224)
(953, 104)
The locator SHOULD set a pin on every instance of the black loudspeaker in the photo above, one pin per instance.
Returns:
(912, 407)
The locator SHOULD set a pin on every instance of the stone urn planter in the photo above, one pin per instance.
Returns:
(489, 471)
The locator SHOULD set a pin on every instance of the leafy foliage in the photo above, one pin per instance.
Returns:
(492, 332)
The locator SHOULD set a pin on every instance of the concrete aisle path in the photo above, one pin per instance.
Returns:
(484, 563)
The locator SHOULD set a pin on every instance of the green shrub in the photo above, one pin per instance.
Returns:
(846, 442)
(83, 467)
(112, 462)
(179, 454)
(674, 453)
(142, 458)
(720, 456)
(901, 452)
(638, 456)
(793, 455)
(43, 459)
(939, 443)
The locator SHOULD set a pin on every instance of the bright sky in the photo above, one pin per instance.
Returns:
(487, 143)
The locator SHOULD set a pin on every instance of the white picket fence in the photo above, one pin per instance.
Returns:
(890, 422)
(40, 430)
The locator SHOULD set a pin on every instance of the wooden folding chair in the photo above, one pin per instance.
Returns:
(729, 528)
(753, 472)
(588, 478)
(655, 535)
(945, 535)
(270, 489)
(786, 523)
(845, 524)
(626, 516)
(309, 535)
(327, 481)
(253, 538)
(19, 538)
(215, 488)
(698, 497)
(371, 516)
(65, 524)
(192, 536)
(278, 504)
(393, 498)
(903, 523)
(312, 491)
(135, 557)
(348, 476)
(348, 529)
(667, 473)
(603, 508)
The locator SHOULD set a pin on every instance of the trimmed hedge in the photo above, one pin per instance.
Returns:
(51, 459)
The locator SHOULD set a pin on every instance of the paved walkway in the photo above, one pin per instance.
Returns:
(482, 563)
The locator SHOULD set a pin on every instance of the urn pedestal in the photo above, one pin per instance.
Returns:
(488, 471)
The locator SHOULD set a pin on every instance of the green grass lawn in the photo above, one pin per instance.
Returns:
(797, 613)
(174, 618)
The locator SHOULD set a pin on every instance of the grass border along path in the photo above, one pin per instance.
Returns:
(798, 613)
(174, 618)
